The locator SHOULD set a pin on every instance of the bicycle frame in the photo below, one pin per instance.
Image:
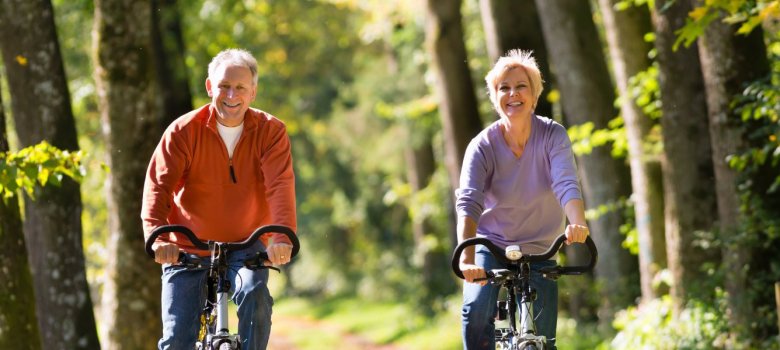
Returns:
(215, 332)
(516, 280)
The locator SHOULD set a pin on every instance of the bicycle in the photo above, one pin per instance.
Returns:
(214, 332)
(515, 280)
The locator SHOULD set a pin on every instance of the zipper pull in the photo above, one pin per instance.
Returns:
(232, 173)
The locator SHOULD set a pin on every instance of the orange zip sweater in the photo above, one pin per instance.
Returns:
(191, 181)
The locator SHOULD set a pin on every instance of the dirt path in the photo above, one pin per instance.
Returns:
(284, 325)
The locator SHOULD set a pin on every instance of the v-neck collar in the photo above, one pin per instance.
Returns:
(505, 146)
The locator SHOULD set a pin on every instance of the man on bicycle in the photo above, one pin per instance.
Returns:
(222, 170)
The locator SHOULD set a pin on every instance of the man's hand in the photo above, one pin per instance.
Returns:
(279, 253)
(472, 272)
(166, 253)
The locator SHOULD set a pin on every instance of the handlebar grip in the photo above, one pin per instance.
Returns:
(173, 228)
(494, 249)
(594, 257)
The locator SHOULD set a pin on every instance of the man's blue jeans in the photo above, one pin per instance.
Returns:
(184, 294)
(479, 305)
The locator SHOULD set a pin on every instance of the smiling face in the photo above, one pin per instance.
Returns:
(232, 89)
(514, 94)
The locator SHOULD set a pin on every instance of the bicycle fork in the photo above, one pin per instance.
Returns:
(221, 331)
(528, 335)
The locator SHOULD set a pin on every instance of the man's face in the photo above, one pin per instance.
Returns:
(231, 89)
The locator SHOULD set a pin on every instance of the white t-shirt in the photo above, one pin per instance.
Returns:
(230, 136)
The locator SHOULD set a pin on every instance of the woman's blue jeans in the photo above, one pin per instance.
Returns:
(479, 305)
(184, 294)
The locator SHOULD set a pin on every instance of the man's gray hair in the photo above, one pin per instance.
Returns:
(234, 57)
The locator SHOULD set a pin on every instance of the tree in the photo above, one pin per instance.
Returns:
(17, 299)
(625, 31)
(513, 24)
(41, 110)
(689, 202)
(132, 116)
(587, 96)
(729, 62)
(457, 102)
(168, 44)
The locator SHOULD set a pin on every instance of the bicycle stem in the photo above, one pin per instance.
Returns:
(222, 312)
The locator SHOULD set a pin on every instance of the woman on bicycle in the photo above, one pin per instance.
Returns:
(518, 185)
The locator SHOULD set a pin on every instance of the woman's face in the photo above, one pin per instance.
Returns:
(514, 95)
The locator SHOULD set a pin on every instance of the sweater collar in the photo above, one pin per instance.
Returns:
(251, 118)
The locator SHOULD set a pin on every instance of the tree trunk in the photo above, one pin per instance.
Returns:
(587, 96)
(132, 121)
(689, 202)
(514, 24)
(457, 100)
(168, 42)
(52, 226)
(729, 62)
(17, 297)
(628, 50)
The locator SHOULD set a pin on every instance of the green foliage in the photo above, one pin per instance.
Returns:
(652, 326)
(41, 164)
(585, 138)
(748, 13)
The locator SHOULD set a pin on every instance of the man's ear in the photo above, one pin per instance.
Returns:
(208, 87)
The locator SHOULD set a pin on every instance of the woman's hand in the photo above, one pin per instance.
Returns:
(576, 233)
(472, 272)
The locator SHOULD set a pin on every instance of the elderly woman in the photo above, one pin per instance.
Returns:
(517, 183)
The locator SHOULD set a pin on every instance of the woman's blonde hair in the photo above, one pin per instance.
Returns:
(511, 60)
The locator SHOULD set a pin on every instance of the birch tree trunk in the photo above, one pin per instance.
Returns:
(689, 202)
(132, 124)
(628, 51)
(52, 227)
(514, 24)
(729, 61)
(587, 95)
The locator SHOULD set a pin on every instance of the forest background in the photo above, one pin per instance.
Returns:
(672, 107)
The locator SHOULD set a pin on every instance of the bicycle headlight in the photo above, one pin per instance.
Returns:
(513, 252)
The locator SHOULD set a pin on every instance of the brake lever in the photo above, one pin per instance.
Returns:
(256, 263)
(190, 261)
(551, 272)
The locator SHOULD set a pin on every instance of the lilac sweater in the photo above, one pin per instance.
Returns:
(519, 201)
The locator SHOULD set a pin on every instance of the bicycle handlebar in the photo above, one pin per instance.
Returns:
(230, 246)
(499, 254)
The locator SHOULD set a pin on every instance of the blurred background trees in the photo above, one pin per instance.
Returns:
(672, 107)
